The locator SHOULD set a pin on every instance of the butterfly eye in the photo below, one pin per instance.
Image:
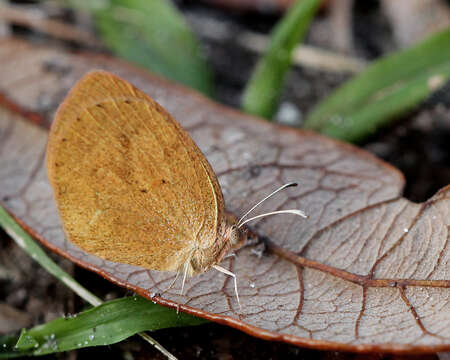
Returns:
(236, 236)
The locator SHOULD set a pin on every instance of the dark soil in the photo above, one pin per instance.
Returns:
(416, 144)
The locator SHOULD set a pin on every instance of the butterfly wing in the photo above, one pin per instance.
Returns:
(130, 184)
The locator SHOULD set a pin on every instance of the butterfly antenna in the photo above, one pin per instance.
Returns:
(292, 211)
(228, 272)
(267, 197)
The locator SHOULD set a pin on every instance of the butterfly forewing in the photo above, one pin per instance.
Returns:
(130, 184)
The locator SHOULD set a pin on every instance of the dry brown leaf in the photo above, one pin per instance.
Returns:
(374, 268)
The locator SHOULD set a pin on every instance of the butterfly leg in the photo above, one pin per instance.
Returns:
(173, 282)
(184, 277)
(228, 272)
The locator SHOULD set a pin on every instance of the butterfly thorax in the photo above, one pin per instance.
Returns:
(229, 237)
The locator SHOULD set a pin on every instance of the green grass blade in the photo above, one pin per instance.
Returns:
(388, 88)
(24, 240)
(153, 34)
(105, 324)
(262, 94)
(7, 347)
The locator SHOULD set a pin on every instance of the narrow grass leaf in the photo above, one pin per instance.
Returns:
(27, 341)
(262, 94)
(105, 324)
(7, 347)
(389, 88)
(153, 34)
(24, 240)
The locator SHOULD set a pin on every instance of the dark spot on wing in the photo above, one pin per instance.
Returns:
(124, 141)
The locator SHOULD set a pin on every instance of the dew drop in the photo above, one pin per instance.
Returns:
(257, 252)
(246, 155)
(252, 285)
(405, 230)
(288, 113)
(91, 337)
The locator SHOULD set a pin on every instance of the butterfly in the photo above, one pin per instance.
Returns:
(132, 187)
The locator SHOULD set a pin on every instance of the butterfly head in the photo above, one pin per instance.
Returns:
(236, 236)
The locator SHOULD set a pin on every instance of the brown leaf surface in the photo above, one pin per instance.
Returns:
(374, 271)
